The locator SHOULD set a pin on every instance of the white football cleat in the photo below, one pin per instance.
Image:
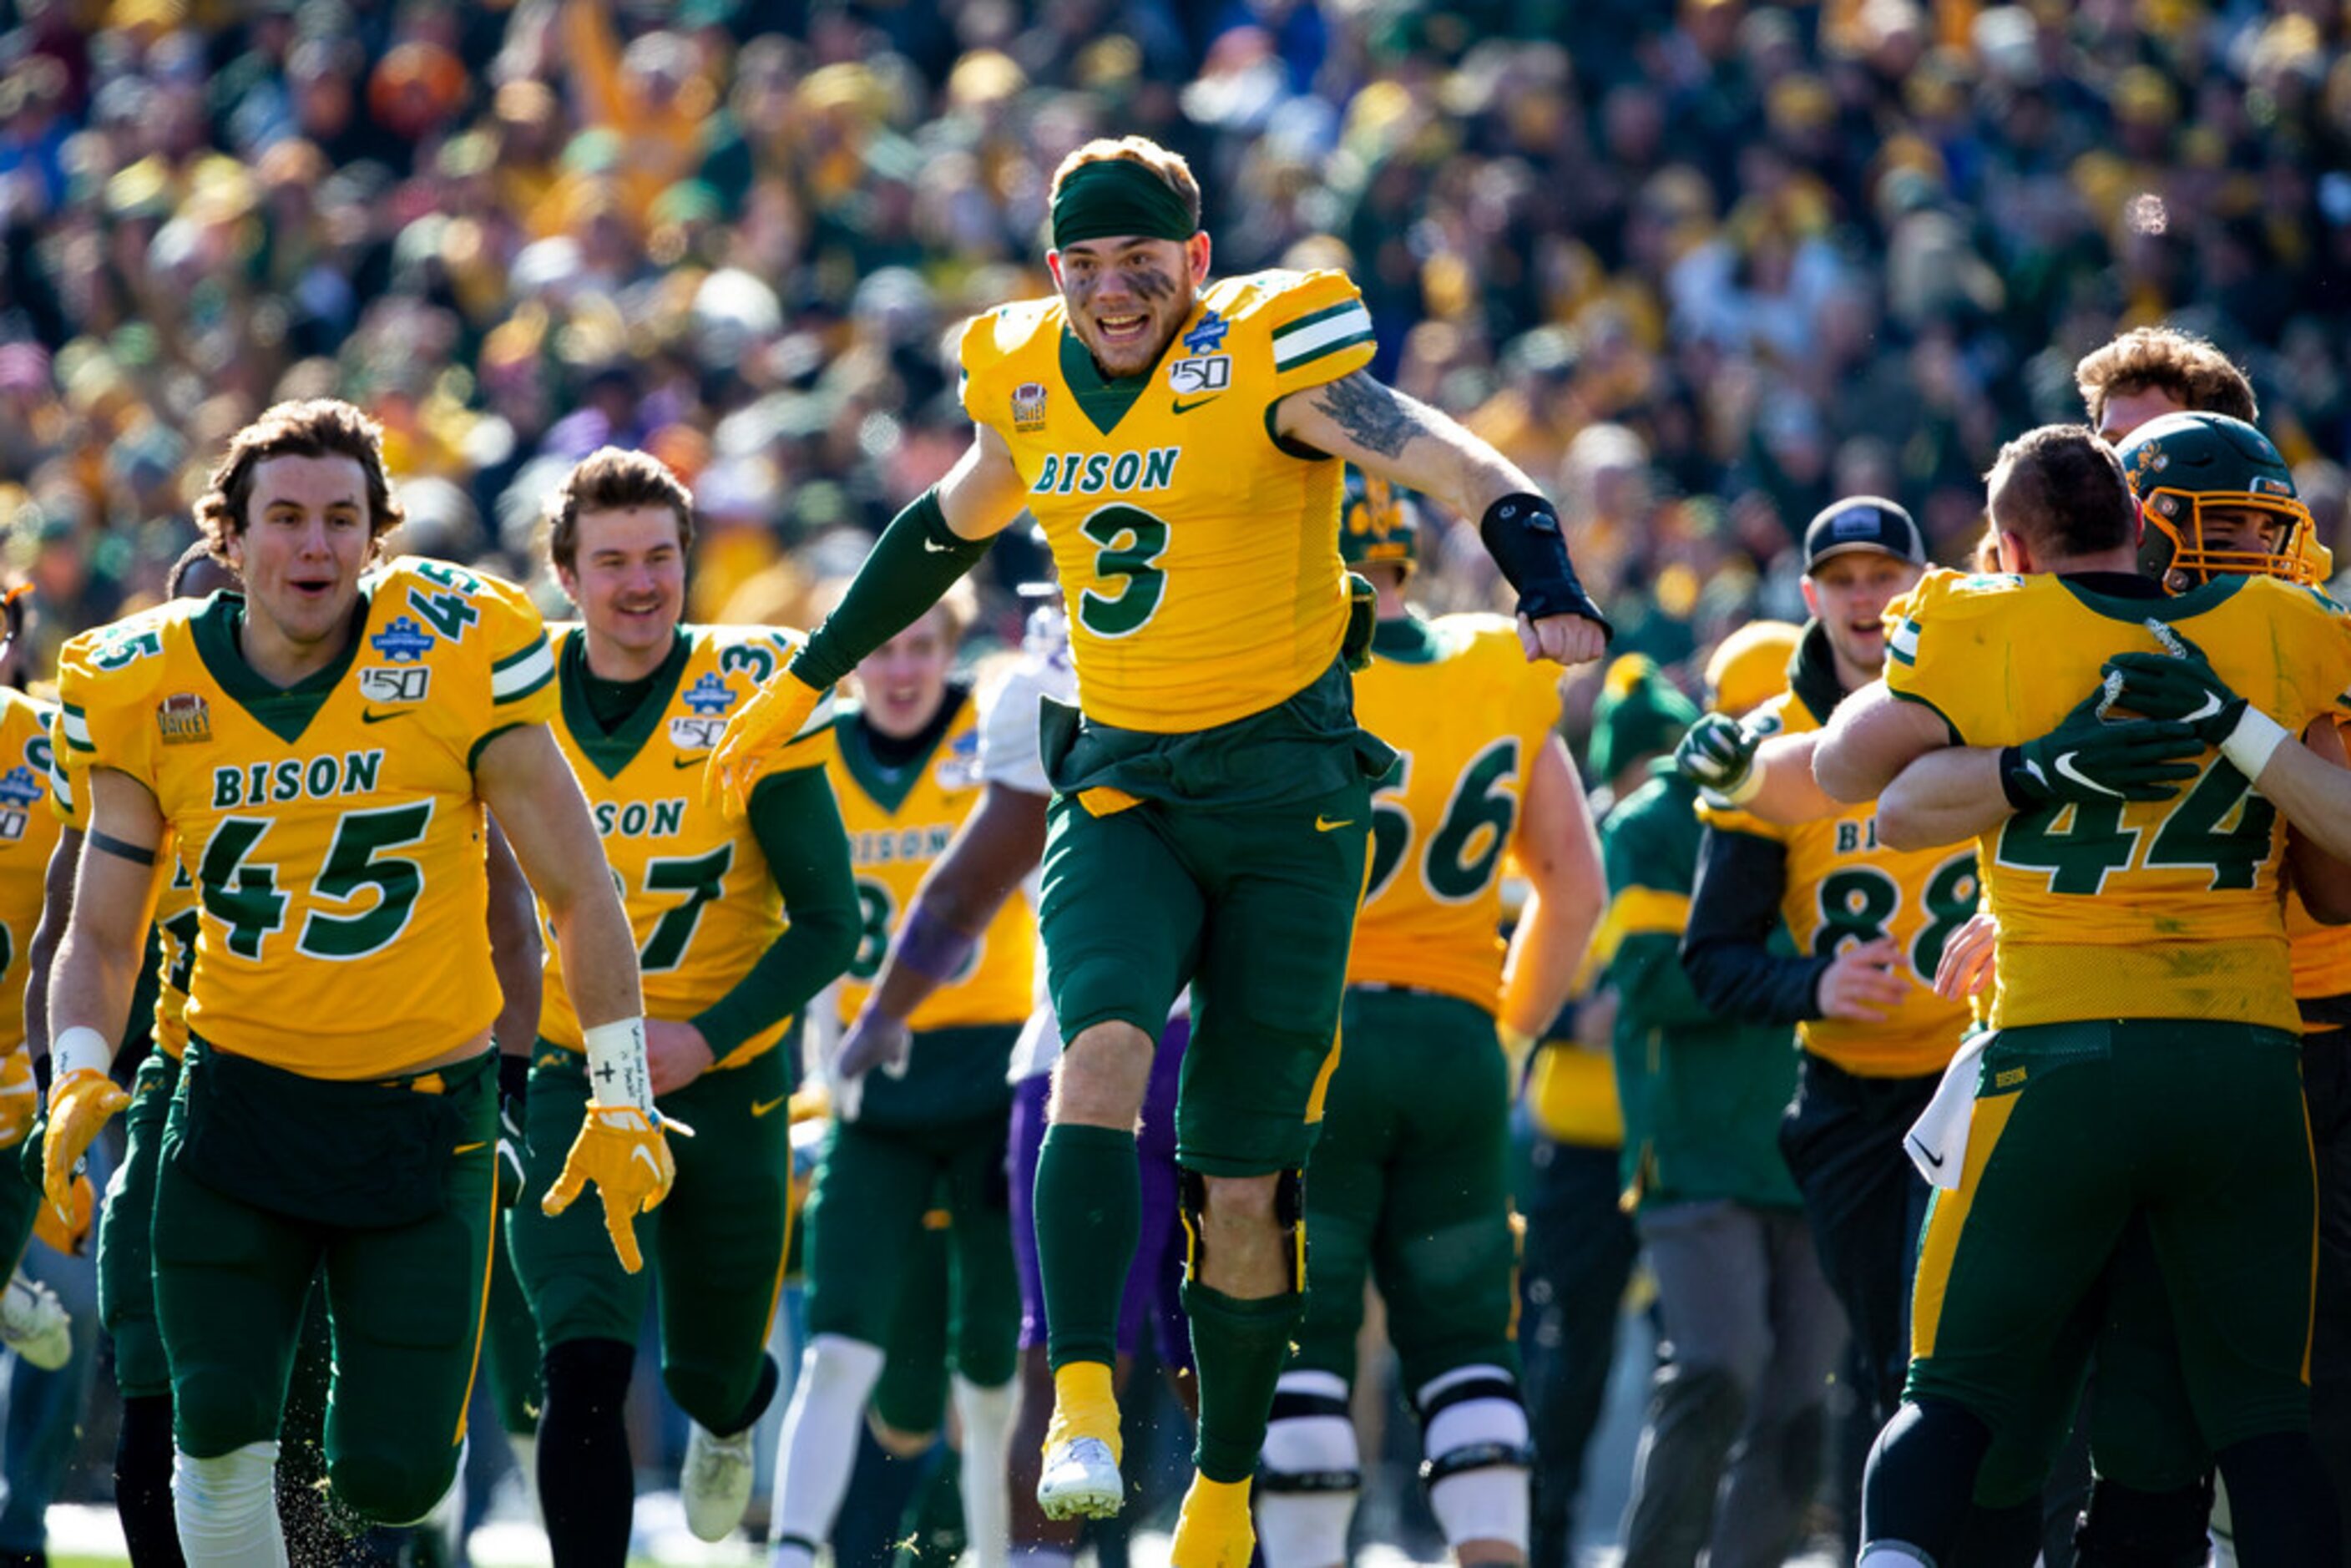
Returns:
(35, 1325)
(1080, 1480)
(715, 1483)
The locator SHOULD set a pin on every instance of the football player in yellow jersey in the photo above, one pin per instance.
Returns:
(1869, 923)
(126, 1284)
(929, 1129)
(738, 924)
(1411, 1183)
(1179, 444)
(337, 1105)
(2145, 1060)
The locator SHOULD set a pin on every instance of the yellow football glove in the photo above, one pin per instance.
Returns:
(79, 1104)
(68, 1233)
(776, 713)
(619, 1148)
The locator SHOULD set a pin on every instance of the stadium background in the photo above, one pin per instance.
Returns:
(1699, 268)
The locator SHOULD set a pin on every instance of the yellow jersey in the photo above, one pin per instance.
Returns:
(2321, 955)
(1198, 552)
(901, 820)
(1845, 888)
(28, 836)
(702, 903)
(331, 828)
(175, 916)
(2125, 909)
(1465, 714)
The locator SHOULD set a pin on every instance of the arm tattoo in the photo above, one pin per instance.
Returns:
(1374, 417)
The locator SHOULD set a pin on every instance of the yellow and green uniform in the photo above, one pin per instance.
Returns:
(932, 1137)
(126, 1279)
(709, 899)
(1843, 888)
(334, 834)
(1411, 1178)
(28, 834)
(2146, 1057)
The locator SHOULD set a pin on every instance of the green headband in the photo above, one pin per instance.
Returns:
(1117, 197)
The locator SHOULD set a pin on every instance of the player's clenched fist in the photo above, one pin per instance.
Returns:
(777, 712)
(622, 1149)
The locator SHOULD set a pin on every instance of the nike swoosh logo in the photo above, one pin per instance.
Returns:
(368, 716)
(468, 1148)
(1180, 406)
(934, 546)
(646, 1155)
(2212, 705)
(1323, 824)
(760, 1108)
(2065, 767)
(689, 761)
(1929, 1156)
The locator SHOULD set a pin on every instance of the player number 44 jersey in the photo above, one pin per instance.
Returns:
(2125, 909)
(1198, 554)
(331, 829)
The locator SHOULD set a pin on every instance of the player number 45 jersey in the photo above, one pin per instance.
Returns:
(2125, 909)
(331, 829)
(1198, 554)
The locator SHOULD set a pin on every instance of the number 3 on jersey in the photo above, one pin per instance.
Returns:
(1132, 541)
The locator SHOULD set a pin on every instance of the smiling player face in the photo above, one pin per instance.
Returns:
(305, 544)
(628, 577)
(904, 680)
(1848, 595)
(1126, 296)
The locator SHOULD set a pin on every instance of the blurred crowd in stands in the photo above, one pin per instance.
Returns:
(1698, 265)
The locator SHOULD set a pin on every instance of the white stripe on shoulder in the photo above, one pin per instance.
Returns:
(526, 673)
(1905, 639)
(1287, 349)
(77, 730)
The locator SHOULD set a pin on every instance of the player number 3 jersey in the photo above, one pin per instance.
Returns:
(1198, 554)
(2125, 909)
(331, 828)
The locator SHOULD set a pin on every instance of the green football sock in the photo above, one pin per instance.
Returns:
(1238, 1349)
(1089, 1219)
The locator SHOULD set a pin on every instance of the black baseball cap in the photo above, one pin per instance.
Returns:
(1863, 522)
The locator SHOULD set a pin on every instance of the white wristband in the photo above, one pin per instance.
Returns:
(616, 1065)
(79, 1049)
(2254, 742)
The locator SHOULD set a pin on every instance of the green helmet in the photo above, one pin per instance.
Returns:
(1376, 523)
(2184, 466)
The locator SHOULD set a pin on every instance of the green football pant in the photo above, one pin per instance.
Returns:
(405, 1305)
(1256, 909)
(126, 1255)
(911, 1394)
(865, 1222)
(1410, 1186)
(2076, 1128)
(713, 1249)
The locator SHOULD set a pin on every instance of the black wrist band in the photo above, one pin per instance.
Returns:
(2013, 780)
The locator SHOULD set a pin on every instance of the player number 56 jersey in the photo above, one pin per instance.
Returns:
(331, 828)
(1465, 714)
(2125, 909)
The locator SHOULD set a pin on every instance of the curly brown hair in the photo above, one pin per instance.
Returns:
(612, 479)
(2184, 367)
(316, 427)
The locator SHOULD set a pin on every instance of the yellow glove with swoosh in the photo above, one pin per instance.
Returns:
(619, 1148)
(777, 712)
(81, 1101)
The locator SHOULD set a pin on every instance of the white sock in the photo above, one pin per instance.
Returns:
(985, 1416)
(227, 1509)
(525, 1452)
(819, 1442)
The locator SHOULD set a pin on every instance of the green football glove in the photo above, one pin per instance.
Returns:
(1718, 753)
(2179, 685)
(2086, 758)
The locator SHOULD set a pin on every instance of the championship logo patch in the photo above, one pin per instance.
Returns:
(402, 641)
(1029, 406)
(1209, 336)
(959, 768)
(20, 786)
(710, 695)
(184, 718)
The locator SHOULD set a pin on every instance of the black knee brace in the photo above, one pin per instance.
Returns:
(1290, 1405)
(1474, 1454)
